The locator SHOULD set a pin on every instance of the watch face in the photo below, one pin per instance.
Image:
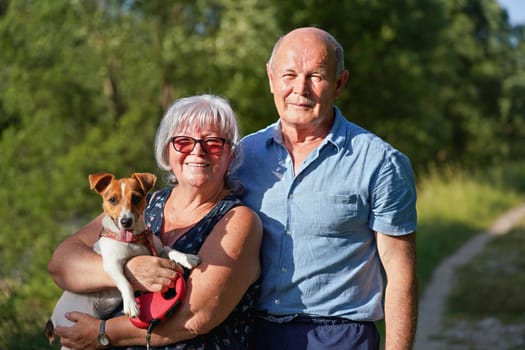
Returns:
(103, 340)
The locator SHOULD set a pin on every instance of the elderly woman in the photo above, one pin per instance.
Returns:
(198, 213)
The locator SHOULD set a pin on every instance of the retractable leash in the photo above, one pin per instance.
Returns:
(152, 324)
(155, 307)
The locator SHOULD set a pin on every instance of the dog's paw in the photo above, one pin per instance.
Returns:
(188, 261)
(131, 308)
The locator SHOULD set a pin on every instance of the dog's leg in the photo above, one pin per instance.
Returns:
(114, 268)
(189, 261)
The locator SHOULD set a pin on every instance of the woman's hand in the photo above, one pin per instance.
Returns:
(82, 335)
(151, 273)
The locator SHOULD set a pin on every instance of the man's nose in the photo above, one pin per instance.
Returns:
(301, 85)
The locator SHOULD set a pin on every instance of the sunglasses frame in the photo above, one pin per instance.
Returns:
(202, 142)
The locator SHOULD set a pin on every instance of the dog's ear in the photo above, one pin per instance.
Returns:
(100, 181)
(146, 180)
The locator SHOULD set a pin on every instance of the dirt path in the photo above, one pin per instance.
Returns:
(433, 301)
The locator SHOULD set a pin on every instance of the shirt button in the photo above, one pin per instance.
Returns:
(288, 232)
(283, 268)
(277, 301)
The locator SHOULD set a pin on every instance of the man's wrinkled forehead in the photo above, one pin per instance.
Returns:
(295, 55)
(305, 44)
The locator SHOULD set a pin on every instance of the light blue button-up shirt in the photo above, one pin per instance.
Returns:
(319, 253)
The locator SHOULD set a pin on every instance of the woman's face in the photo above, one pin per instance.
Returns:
(196, 167)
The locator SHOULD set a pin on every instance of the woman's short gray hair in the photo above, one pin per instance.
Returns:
(199, 111)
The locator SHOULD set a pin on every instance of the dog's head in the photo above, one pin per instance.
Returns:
(124, 200)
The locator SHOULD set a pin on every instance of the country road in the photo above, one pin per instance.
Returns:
(432, 304)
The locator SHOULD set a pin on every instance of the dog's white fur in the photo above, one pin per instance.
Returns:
(115, 254)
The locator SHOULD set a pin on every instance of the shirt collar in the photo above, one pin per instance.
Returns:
(336, 135)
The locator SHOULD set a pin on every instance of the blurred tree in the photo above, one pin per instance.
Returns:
(478, 62)
(512, 102)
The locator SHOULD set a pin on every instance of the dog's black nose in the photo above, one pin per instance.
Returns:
(126, 222)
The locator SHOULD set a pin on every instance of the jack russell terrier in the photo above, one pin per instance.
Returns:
(123, 237)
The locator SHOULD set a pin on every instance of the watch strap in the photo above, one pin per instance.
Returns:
(102, 327)
(102, 337)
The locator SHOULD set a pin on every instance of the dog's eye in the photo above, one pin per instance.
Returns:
(135, 199)
(113, 200)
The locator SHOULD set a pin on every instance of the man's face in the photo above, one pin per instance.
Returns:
(303, 80)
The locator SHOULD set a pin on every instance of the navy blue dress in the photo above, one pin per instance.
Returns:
(236, 331)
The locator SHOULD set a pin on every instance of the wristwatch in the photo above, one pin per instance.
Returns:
(102, 337)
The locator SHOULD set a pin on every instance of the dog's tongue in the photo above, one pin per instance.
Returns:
(127, 235)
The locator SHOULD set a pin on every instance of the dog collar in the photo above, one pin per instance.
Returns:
(145, 237)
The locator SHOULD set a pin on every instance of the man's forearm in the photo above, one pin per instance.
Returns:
(400, 318)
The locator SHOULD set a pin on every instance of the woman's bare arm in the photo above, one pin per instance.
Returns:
(75, 266)
(230, 264)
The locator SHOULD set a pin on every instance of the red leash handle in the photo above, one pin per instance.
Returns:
(155, 307)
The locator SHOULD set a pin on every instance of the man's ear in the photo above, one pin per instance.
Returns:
(269, 72)
(341, 82)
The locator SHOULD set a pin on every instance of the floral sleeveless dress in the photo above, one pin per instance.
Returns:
(236, 331)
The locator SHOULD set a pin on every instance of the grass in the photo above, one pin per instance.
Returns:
(493, 283)
(453, 205)
(486, 308)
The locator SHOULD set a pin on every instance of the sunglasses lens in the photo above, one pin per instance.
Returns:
(213, 145)
(210, 145)
(183, 144)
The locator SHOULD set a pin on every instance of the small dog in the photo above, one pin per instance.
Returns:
(124, 236)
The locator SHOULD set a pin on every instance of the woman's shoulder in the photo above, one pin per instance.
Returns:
(242, 220)
(240, 208)
(245, 212)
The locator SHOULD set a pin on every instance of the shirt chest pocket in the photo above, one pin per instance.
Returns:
(335, 214)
